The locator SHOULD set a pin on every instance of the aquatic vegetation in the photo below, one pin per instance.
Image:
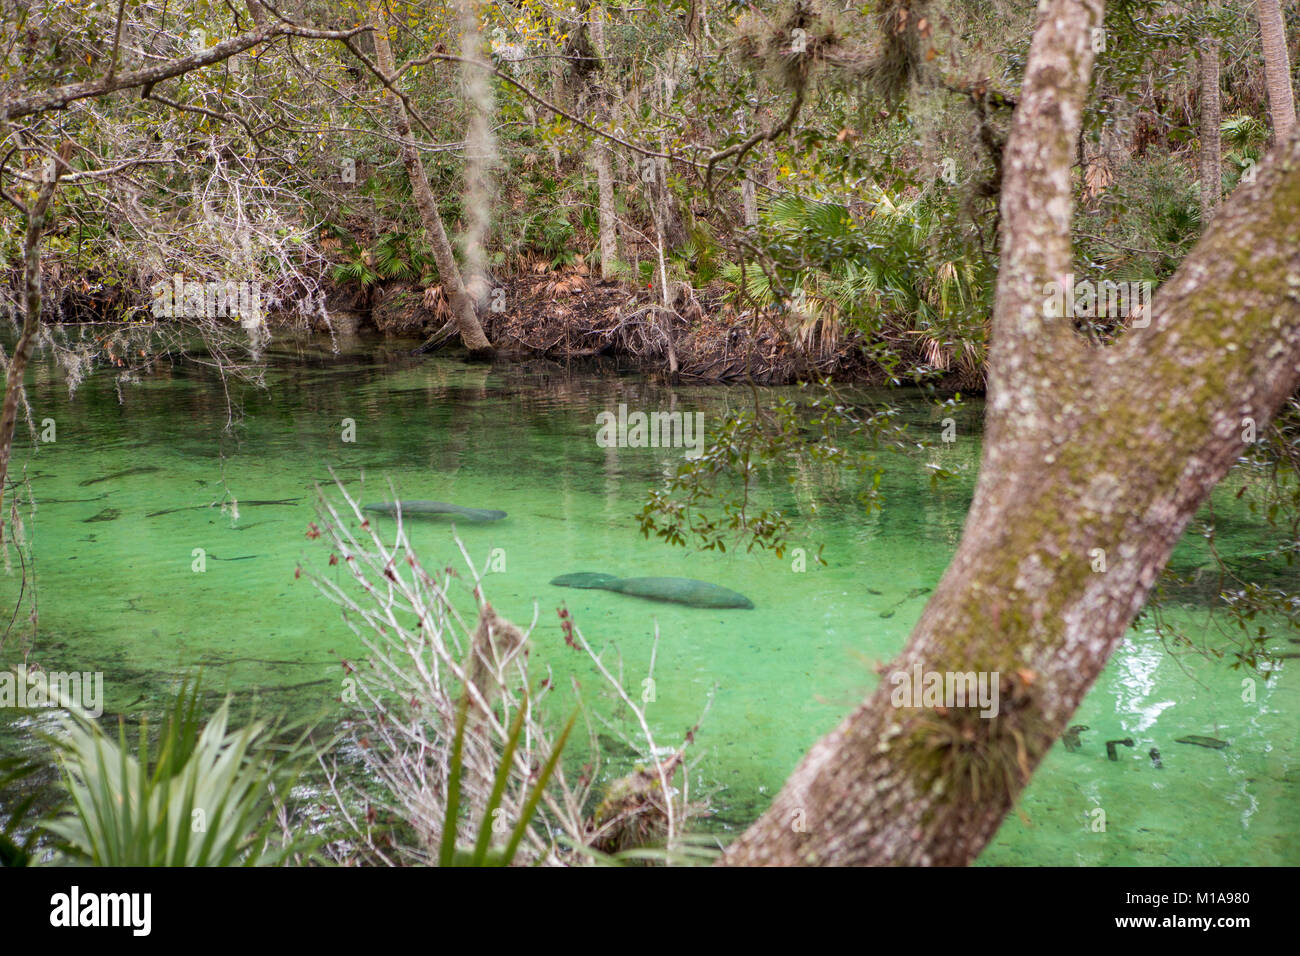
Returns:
(1071, 737)
(1111, 754)
(125, 473)
(914, 593)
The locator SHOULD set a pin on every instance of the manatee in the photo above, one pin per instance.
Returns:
(1214, 743)
(435, 508)
(677, 590)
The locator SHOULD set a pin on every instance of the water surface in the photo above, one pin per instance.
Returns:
(118, 593)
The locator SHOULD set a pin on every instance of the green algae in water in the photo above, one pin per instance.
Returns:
(128, 601)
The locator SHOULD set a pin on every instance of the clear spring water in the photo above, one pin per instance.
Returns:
(117, 591)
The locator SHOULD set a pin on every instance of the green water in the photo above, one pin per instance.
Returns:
(118, 593)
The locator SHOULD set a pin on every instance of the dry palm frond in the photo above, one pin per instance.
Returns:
(936, 353)
(435, 300)
(1097, 178)
(570, 284)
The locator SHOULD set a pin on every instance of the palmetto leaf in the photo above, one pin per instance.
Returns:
(207, 801)
(449, 854)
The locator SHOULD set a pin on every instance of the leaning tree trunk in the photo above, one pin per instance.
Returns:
(36, 217)
(1211, 118)
(1277, 68)
(1093, 459)
(462, 306)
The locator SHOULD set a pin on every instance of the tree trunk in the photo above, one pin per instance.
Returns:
(749, 200)
(556, 70)
(1277, 68)
(36, 218)
(480, 154)
(1089, 453)
(667, 219)
(608, 222)
(749, 187)
(601, 155)
(462, 307)
(1211, 119)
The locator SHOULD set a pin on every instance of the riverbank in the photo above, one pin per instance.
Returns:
(700, 337)
(568, 314)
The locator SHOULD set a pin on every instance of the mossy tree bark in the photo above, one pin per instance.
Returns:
(1086, 448)
(462, 305)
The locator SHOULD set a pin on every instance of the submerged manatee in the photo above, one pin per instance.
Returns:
(678, 590)
(435, 508)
